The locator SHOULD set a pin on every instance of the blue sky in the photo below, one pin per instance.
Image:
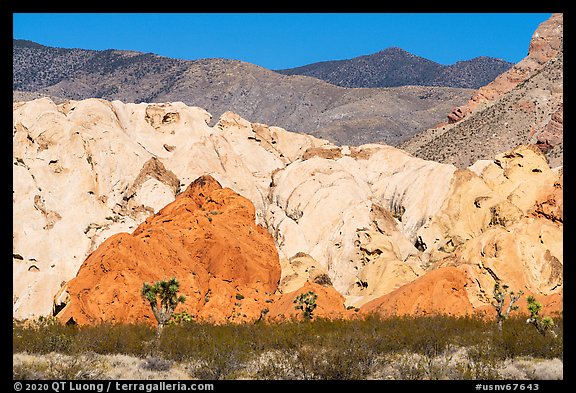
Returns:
(285, 40)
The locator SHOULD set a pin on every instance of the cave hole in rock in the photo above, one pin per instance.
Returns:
(420, 245)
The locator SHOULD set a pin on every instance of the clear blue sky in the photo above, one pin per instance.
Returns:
(285, 40)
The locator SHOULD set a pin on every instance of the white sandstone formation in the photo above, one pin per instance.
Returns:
(367, 219)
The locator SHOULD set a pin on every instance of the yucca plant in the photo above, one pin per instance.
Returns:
(543, 325)
(307, 303)
(163, 298)
(499, 298)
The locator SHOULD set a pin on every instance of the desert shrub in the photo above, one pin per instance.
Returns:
(481, 363)
(306, 302)
(323, 279)
(428, 336)
(85, 366)
(62, 367)
(154, 363)
(104, 338)
(413, 366)
(520, 339)
(286, 335)
(289, 364)
(181, 317)
(222, 350)
(109, 338)
(26, 372)
(42, 337)
(219, 361)
(217, 350)
(351, 362)
(322, 356)
(175, 344)
(407, 347)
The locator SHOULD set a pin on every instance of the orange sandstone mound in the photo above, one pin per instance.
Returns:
(329, 304)
(227, 266)
(440, 291)
(444, 291)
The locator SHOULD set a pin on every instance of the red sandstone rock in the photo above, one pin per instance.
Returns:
(330, 304)
(553, 132)
(207, 238)
(443, 291)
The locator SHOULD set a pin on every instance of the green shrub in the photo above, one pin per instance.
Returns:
(42, 338)
(154, 363)
(519, 340)
(110, 338)
(181, 317)
(412, 347)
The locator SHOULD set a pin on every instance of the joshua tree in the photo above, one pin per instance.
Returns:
(166, 292)
(544, 324)
(498, 303)
(307, 303)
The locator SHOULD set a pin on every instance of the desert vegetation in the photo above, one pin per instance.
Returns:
(306, 302)
(165, 292)
(432, 347)
(499, 297)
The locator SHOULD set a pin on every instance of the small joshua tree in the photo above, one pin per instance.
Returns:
(544, 324)
(167, 293)
(307, 303)
(498, 303)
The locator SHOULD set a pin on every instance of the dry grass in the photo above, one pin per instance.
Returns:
(283, 365)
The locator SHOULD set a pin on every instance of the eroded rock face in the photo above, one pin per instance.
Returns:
(94, 179)
(86, 170)
(207, 238)
(357, 211)
(552, 133)
(299, 270)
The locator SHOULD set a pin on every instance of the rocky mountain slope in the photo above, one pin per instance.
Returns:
(107, 195)
(295, 103)
(523, 105)
(394, 67)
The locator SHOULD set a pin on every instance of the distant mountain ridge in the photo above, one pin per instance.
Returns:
(297, 103)
(394, 67)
